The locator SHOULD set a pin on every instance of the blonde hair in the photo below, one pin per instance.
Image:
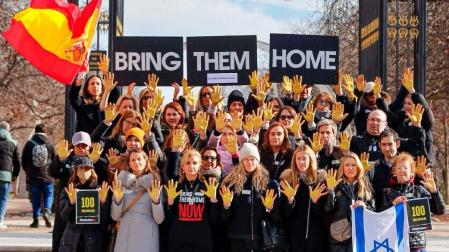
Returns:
(404, 157)
(292, 174)
(187, 154)
(237, 178)
(364, 187)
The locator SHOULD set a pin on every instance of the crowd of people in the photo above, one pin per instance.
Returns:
(205, 174)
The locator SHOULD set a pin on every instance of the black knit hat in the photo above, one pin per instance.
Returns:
(235, 95)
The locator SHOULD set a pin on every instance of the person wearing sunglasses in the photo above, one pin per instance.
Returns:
(286, 116)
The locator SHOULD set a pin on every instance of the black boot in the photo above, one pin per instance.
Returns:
(45, 215)
(35, 223)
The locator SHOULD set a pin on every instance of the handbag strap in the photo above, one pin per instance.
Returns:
(134, 201)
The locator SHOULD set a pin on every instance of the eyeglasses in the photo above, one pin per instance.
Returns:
(212, 158)
(203, 95)
(284, 117)
(376, 120)
(324, 102)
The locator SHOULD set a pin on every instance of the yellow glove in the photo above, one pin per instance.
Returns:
(315, 194)
(108, 82)
(158, 99)
(349, 86)
(152, 158)
(216, 97)
(200, 122)
(297, 87)
(151, 84)
(287, 84)
(71, 193)
(288, 191)
(103, 65)
(62, 150)
(211, 189)
(361, 83)
(316, 143)
(117, 189)
(144, 122)
(416, 115)
(265, 83)
(254, 80)
(339, 86)
(237, 121)
(155, 191)
(112, 156)
(186, 90)
(231, 144)
(151, 109)
(248, 126)
(337, 112)
(407, 80)
(269, 199)
(421, 166)
(220, 121)
(172, 194)
(95, 154)
(103, 192)
(377, 86)
(110, 112)
(226, 195)
(429, 182)
(331, 179)
(258, 120)
(309, 116)
(345, 142)
(260, 95)
(364, 159)
(179, 139)
(295, 128)
(268, 112)
(191, 99)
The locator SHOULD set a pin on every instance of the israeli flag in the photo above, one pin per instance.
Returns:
(378, 232)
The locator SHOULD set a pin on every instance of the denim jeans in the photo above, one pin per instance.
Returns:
(4, 194)
(37, 189)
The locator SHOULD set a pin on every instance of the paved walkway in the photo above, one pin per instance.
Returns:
(20, 237)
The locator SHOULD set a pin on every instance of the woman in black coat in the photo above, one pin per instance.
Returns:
(244, 206)
(354, 190)
(302, 204)
(275, 150)
(79, 237)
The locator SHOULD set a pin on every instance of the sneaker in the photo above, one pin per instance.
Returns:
(45, 215)
(3, 226)
(35, 223)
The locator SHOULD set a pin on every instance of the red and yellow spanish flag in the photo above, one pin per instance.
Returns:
(55, 36)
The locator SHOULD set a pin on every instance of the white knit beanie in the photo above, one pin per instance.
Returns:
(249, 149)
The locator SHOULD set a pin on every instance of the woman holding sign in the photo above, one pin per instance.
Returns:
(137, 205)
(403, 189)
(79, 237)
(347, 188)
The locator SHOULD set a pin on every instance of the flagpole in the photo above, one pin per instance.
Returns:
(69, 113)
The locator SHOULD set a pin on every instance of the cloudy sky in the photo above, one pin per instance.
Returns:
(214, 17)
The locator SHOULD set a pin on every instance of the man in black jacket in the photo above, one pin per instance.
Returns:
(9, 167)
(36, 157)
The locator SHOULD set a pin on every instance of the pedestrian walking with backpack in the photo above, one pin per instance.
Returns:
(36, 157)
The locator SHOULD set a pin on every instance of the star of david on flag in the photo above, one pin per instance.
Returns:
(387, 231)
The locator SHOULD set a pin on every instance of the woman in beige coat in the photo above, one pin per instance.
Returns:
(137, 205)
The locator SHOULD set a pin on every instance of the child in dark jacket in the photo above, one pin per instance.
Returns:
(79, 237)
(403, 189)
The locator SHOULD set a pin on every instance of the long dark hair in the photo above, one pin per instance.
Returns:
(91, 182)
(285, 142)
(86, 95)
